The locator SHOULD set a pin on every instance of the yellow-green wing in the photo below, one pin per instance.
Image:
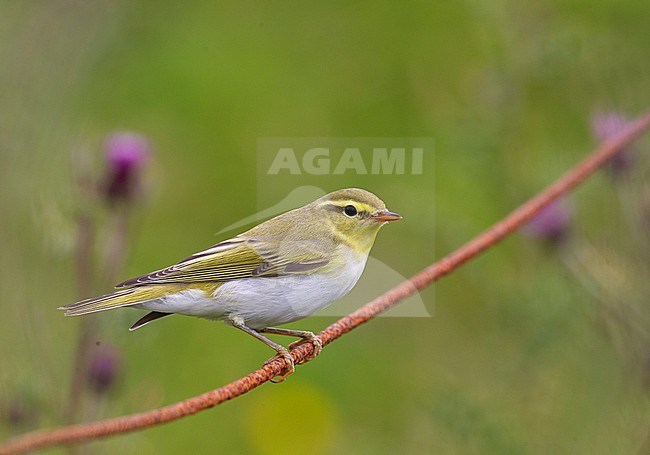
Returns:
(233, 259)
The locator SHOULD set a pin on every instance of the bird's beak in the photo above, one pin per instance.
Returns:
(383, 216)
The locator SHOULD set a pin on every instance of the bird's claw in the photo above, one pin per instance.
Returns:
(288, 360)
(314, 340)
(290, 366)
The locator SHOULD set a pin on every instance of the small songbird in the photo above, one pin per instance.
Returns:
(282, 270)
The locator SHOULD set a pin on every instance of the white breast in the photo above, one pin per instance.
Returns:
(263, 302)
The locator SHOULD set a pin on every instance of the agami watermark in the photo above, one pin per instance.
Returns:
(326, 160)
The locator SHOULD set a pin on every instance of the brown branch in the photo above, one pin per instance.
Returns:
(103, 428)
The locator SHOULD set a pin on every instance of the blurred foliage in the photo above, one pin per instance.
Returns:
(520, 356)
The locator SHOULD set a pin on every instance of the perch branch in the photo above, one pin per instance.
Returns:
(92, 430)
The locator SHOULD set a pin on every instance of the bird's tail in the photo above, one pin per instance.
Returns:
(122, 298)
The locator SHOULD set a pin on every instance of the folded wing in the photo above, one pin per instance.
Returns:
(238, 258)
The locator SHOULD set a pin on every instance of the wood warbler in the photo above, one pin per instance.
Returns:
(282, 270)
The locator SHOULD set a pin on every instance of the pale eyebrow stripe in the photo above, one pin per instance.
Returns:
(341, 203)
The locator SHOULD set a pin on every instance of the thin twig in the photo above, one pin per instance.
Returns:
(103, 428)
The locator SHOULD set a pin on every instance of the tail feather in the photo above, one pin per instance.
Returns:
(122, 298)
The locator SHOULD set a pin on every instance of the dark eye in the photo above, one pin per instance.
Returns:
(350, 210)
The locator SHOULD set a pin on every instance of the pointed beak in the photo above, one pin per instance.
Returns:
(383, 216)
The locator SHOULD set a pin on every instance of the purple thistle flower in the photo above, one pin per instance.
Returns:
(606, 125)
(125, 153)
(103, 368)
(551, 223)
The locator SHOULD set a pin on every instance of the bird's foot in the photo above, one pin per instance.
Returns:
(309, 337)
(290, 366)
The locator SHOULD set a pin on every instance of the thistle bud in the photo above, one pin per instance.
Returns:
(18, 412)
(606, 125)
(550, 224)
(103, 369)
(126, 154)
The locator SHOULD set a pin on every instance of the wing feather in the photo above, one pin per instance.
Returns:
(233, 259)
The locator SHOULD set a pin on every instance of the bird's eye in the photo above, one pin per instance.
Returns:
(350, 210)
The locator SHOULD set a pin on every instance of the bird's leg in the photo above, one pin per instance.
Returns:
(304, 334)
(281, 350)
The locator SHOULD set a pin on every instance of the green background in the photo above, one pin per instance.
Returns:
(522, 355)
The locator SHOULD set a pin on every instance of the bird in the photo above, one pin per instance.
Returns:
(282, 270)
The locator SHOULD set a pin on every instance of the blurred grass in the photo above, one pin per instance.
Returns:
(515, 359)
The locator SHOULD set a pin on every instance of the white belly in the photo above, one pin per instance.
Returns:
(265, 302)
